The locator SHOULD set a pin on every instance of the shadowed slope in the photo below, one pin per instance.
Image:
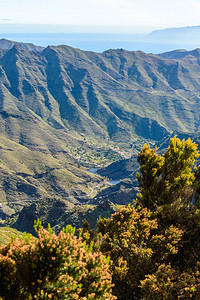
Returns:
(60, 99)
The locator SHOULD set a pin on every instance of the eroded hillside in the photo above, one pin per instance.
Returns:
(62, 109)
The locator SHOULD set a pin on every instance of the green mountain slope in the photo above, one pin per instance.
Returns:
(27, 175)
(62, 108)
(7, 233)
(115, 95)
(56, 213)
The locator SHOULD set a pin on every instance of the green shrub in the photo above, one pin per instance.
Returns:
(53, 267)
(155, 246)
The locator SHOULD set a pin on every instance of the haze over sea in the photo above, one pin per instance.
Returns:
(99, 42)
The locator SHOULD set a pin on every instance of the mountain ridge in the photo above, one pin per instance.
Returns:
(6, 44)
(68, 107)
(180, 33)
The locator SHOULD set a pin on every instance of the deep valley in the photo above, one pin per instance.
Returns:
(64, 110)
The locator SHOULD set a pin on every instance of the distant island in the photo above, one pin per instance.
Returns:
(182, 35)
(157, 41)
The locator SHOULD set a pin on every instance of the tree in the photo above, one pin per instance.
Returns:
(136, 247)
(168, 178)
(155, 246)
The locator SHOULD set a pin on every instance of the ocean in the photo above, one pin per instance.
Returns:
(98, 42)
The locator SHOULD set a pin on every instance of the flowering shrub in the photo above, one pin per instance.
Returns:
(137, 247)
(155, 246)
(167, 178)
(53, 267)
(170, 284)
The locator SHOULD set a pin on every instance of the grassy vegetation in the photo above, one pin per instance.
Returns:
(7, 233)
(89, 155)
(59, 213)
(29, 174)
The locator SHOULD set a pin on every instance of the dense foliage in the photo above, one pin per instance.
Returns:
(165, 179)
(53, 267)
(152, 247)
(155, 246)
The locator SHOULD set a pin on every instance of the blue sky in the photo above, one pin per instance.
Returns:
(93, 14)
